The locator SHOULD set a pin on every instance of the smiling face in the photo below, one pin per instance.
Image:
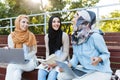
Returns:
(56, 23)
(24, 24)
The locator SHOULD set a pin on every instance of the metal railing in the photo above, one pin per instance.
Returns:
(46, 15)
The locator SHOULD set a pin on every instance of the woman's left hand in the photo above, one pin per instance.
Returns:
(52, 65)
(95, 60)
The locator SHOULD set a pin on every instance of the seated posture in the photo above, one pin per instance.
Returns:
(21, 37)
(89, 49)
(56, 42)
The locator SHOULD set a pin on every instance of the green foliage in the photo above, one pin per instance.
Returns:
(67, 28)
(3, 10)
(82, 3)
(57, 5)
(37, 29)
(4, 31)
(111, 25)
(34, 20)
(13, 8)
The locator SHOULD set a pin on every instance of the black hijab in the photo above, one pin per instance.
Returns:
(55, 37)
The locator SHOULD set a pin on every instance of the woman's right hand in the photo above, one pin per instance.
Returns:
(60, 69)
(95, 60)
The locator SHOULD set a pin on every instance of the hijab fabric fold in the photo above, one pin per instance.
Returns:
(55, 37)
(22, 37)
(84, 26)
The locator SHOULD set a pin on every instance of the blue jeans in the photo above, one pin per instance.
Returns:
(44, 75)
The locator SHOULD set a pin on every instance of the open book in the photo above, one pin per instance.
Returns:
(50, 60)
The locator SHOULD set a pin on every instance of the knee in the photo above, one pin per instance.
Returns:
(11, 68)
(60, 76)
(64, 76)
(18, 74)
(42, 73)
(52, 75)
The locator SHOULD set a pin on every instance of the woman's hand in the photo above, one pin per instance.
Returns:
(95, 60)
(68, 63)
(52, 65)
(60, 69)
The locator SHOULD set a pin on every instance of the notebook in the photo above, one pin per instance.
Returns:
(71, 71)
(50, 60)
(13, 55)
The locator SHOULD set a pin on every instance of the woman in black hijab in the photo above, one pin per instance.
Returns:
(55, 36)
(56, 42)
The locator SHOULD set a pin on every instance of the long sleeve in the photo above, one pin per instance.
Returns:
(32, 51)
(46, 45)
(65, 41)
(10, 41)
(74, 60)
(101, 47)
(28, 51)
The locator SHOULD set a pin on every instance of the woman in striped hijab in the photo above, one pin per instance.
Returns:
(89, 49)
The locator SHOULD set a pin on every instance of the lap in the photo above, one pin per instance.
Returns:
(96, 76)
(64, 76)
(23, 67)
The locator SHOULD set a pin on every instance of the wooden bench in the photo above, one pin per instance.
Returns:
(112, 41)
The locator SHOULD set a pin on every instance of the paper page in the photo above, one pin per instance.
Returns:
(50, 60)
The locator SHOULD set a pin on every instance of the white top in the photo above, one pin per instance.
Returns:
(65, 47)
(30, 52)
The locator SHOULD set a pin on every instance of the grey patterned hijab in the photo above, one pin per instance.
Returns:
(83, 26)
